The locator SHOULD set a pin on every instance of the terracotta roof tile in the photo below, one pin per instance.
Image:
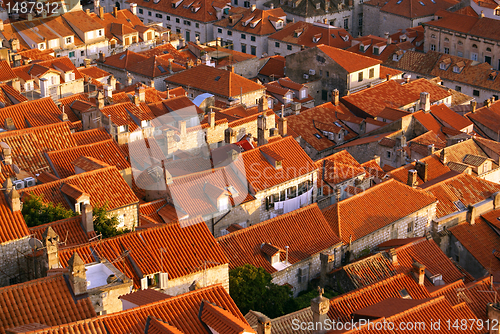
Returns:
(46, 301)
(255, 22)
(144, 297)
(105, 151)
(450, 118)
(380, 205)
(219, 82)
(275, 65)
(112, 189)
(435, 169)
(350, 61)
(6, 73)
(184, 257)
(488, 117)
(70, 231)
(476, 26)
(290, 229)
(413, 8)
(91, 136)
(223, 321)
(156, 326)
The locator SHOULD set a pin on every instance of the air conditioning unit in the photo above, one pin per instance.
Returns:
(29, 182)
(18, 184)
(312, 72)
(306, 76)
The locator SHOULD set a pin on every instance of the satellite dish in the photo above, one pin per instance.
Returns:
(177, 138)
(35, 244)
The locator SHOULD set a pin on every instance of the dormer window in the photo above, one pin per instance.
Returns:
(316, 38)
(41, 46)
(361, 48)
(442, 66)
(376, 50)
(493, 75)
(318, 5)
(69, 40)
(222, 203)
(279, 24)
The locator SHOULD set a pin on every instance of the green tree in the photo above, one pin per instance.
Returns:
(107, 226)
(251, 289)
(36, 212)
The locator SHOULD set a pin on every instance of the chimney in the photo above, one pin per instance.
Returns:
(102, 57)
(141, 93)
(211, 119)
(6, 153)
(108, 91)
(87, 11)
(182, 126)
(182, 42)
(30, 17)
(168, 177)
(419, 272)
(496, 200)
(386, 35)
(133, 8)
(101, 12)
(271, 6)
(431, 149)
(115, 12)
(152, 84)
(335, 97)
(325, 21)
(443, 157)
(77, 276)
(482, 14)
(1, 25)
(51, 246)
(170, 60)
(230, 68)
(262, 130)
(14, 45)
(263, 105)
(388, 76)
(64, 116)
(389, 41)
(254, 7)
(87, 218)
(407, 77)
(8, 124)
(487, 103)
(14, 200)
(412, 178)
(393, 255)
(100, 99)
(282, 126)
(320, 306)
(337, 194)
(422, 170)
(425, 101)
(327, 263)
(263, 324)
(218, 41)
(471, 215)
(87, 62)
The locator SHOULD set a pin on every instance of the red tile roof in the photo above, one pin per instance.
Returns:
(104, 185)
(105, 151)
(351, 62)
(91, 136)
(70, 231)
(466, 188)
(412, 8)
(450, 118)
(275, 65)
(29, 145)
(380, 205)
(6, 73)
(435, 169)
(255, 22)
(12, 224)
(201, 11)
(144, 297)
(302, 33)
(180, 256)
(488, 117)
(46, 301)
(32, 113)
(220, 82)
(223, 321)
(305, 231)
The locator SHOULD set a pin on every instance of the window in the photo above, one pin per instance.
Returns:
(320, 73)
(141, 11)
(460, 53)
(488, 49)
(324, 95)
(149, 13)
(388, 154)
(277, 44)
(409, 229)
(433, 47)
(177, 20)
(236, 2)
(346, 23)
(82, 53)
(41, 46)
(360, 76)
(433, 36)
(243, 48)
(229, 33)
(291, 192)
(447, 50)
(372, 72)
(473, 56)
(320, 59)
(71, 54)
(458, 88)
(487, 59)
(197, 25)
(158, 15)
(178, 30)
(69, 40)
(475, 93)
(168, 17)
(360, 20)
(289, 47)
(246, 4)
(497, 12)
(327, 74)
(219, 30)
(188, 23)
(252, 38)
(446, 39)
(243, 36)
(99, 32)
(253, 50)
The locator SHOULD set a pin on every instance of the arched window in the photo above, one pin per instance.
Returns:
(460, 43)
(433, 36)
(446, 39)
(474, 46)
(488, 49)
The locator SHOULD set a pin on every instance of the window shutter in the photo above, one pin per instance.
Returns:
(163, 280)
(144, 283)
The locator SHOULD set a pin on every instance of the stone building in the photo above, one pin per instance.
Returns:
(334, 69)
(486, 119)
(293, 247)
(374, 216)
(474, 38)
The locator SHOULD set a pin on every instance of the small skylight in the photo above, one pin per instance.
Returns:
(460, 206)
(337, 124)
(399, 1)
(166, 52)
(404, 294)
(217, 78)
(122, 56)
(317, 136)
(420, 2)
(162, 70)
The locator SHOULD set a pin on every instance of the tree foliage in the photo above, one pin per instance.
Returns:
(107, 226)
(36, 212)
(251, 289)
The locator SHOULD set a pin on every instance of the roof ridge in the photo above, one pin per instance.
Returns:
(83, 146)
(32, 282)
(432, 300)
(272, 220)
(54, 222)
(360, 290)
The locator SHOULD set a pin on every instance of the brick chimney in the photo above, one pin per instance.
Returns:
(51, 247)
(430, 149)
(393, 256)
(115, 12)
(133, 8)
(282, 126)
(487, 103)
(102, 57)
(14, 200)
(63, 116)
(335, 97)
(471, 215)
(262, 130)
(425, 101)
(211, 119)
(87, 218)
(6, 153)
(263, 104)
(320, 306)
(141, 93)
(419, 272)
(412, 178)
(422, 170)
(473, 105)
(263, 324)
(101, 12)
(77, 276)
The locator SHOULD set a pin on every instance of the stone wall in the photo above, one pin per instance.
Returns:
(461, 255)
(105, 301)
(211, 276)
(130, 213)
(14, 267)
